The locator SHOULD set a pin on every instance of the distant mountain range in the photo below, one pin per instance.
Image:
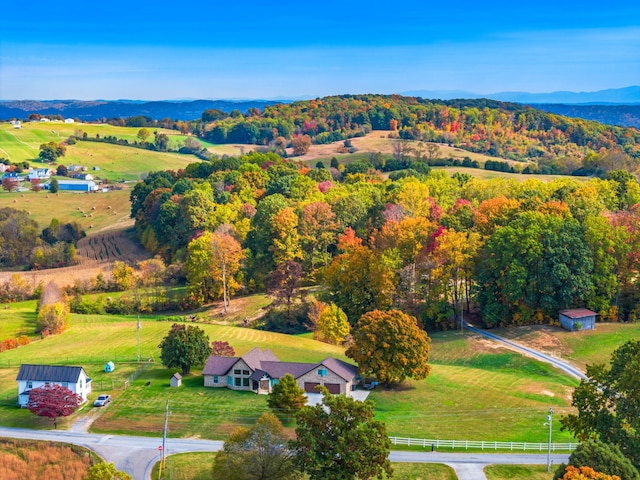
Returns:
(614, 106)
(97, 109)
(613, 96)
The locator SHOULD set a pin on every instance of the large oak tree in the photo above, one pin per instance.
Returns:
(391, 346)
(184, 346)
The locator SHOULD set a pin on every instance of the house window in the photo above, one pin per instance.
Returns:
(245, 372)
(215, 379)
(65, 384)
(29, 385)
(322, 372)
(238, 381)
(245, 382)
(237, 371)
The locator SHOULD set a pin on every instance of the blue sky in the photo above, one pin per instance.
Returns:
(260, 49)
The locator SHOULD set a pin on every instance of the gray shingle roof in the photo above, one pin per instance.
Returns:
(255, 357)
(343, 369)
(49, 373)
(280, 369)
(218, 365)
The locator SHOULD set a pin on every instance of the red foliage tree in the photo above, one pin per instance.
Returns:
(53, 401)
(222, 349)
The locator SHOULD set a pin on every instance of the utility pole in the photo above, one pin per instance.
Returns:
(550, 418)
(164, 439)
(138, 335)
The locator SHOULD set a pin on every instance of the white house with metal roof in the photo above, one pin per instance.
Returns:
(36, 376)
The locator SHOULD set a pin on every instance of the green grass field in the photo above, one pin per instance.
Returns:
(67, 206)
(582, 348)
(518, 472)
(23, 144)
(476, 392)
(473, 394)
(197, 466)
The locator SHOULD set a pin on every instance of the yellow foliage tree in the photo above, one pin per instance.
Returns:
(333, 325)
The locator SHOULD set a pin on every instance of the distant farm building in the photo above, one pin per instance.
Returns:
(39, 174)
(109, 367)
(76, 186)
(68, 120)
(82, 176)
(578, 319)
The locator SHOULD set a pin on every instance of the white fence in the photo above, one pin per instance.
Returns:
(479, 445)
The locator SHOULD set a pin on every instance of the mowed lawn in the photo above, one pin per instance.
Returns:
(581, 348)
(106, 209)
(473, 392)
(92, 340)
(197, 466)
(477, 391)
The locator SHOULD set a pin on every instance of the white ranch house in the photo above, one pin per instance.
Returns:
(36, 376)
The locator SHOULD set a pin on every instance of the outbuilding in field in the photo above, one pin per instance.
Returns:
(578, 319)
(109, 367)
(176, 380)
(77, 185)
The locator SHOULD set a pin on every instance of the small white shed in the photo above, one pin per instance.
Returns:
(176, 380)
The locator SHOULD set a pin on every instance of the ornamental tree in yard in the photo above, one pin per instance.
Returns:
(222, 349)
(391, 346)
(340, 440)
(53, 401)
(184, 347)
(286, 398)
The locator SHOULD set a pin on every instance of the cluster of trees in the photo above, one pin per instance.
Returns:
(23, 244)
(607, 419)
(337, 439)
(499, 129)
(429, 244)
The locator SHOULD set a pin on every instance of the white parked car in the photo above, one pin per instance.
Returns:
(102, 401)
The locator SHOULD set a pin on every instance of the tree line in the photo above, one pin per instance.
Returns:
(429, 244)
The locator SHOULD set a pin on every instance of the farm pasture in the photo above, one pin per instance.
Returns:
(98, 209)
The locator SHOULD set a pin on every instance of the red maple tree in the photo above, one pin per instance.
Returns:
(53, 401)
(222, 349)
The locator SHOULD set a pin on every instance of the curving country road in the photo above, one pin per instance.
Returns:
(566, 367)
(137, 455)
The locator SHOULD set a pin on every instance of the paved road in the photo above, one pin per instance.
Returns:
(137, 455)
(566, 367)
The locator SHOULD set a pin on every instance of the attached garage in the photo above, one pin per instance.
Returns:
(310, 387)
(333, 388)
